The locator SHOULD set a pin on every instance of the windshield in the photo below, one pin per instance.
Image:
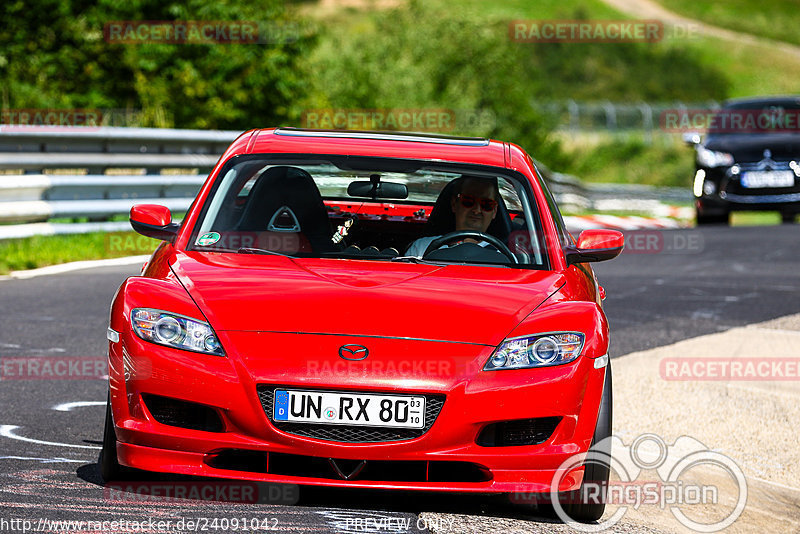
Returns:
(767, 117)
(371, 209)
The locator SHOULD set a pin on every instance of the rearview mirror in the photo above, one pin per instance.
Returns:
(595, 245)
(376, 189)
(154, 220)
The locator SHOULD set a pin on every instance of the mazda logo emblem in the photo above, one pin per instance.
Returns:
(353, 352)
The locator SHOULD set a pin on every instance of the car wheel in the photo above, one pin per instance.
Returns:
(110, 468)
(596, 473)
(788, 218)
(723, 218)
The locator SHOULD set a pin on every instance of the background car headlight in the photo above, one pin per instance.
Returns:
(711, 158)
(542, 350)
(175, 331)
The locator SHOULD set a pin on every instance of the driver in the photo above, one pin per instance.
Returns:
(474, 205)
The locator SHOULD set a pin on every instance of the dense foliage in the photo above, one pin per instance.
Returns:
(55, 55)
(418, 57)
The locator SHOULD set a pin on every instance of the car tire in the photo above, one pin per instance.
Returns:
(788, 218)
(723, 218)
(595, 472)
(110, 468)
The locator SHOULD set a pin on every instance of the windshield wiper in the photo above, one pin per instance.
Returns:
(417, 259)
(250, 250)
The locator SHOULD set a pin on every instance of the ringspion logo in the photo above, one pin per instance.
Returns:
(688, 477)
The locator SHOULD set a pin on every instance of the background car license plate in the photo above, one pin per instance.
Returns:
(349, 409)
(768, 179)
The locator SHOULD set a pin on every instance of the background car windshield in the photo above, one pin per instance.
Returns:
(768, 116)
(318, 209)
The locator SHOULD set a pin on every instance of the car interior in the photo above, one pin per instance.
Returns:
(280, 208)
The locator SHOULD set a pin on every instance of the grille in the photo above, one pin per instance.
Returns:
(174, 412)
(338, 469)
(349, 433)
(518, 432)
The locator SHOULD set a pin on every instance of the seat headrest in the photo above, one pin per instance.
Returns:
(286, 199)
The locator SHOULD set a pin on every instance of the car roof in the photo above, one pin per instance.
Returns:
(409, 145)
(761, 100)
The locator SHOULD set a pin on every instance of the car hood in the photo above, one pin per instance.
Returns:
(468, 304)
(751, 147)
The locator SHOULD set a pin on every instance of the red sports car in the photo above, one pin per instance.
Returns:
(364, 309)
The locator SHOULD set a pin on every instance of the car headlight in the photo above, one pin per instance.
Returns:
(542, 350)
(175, 331)
(711, 158)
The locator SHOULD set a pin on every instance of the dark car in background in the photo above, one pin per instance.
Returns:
(748, 160)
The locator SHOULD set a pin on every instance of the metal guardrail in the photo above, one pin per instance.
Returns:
(72, 172)
(615, 117)
(91, 182)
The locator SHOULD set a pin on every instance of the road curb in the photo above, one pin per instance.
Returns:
(74, 266)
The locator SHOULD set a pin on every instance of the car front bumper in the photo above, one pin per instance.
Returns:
(473, 400)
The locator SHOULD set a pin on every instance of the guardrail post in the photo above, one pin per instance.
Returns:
(574, 115)
(647, 122)
(611, 115)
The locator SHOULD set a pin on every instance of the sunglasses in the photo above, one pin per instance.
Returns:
(487, 204)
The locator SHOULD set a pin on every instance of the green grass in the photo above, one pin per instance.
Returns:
(773, 19)
(755, 218)
(40, 251)
(751, 69)
(630, 160)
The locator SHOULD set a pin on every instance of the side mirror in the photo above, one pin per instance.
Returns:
(692, 138)
(595, 245)
(153, 220)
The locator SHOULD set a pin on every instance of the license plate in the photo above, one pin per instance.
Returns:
(395, 411)
(755, 179)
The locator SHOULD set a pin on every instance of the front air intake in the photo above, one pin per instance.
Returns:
(518, 432)
(183, 414)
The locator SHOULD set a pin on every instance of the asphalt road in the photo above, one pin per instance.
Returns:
(667, 287)
(678, 284)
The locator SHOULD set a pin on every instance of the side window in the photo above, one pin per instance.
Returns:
(563, 235)
(509, 194)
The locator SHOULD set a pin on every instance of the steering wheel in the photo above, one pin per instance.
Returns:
(469, 234)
